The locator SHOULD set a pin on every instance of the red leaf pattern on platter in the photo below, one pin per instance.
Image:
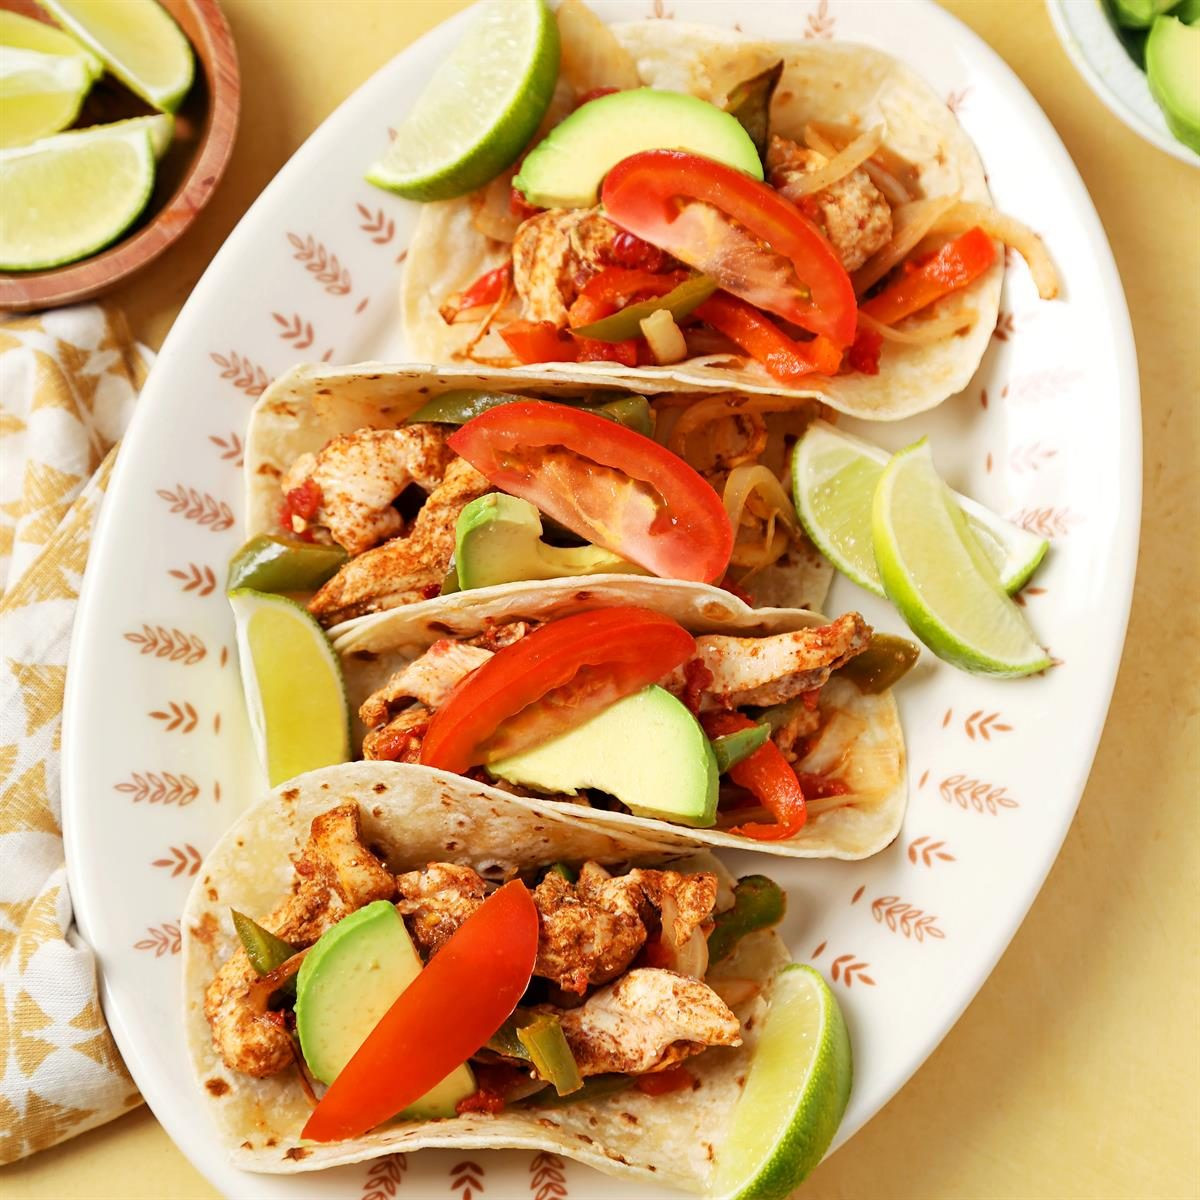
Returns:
(1030, 458)
(955, 101)
(171, 644)
(201, 580)
(847, 970)
(295, 329)
(159, 787)
(858, 894)
(181, 717)
(1046, 522)
(902, 917)
(1023, 595)
(819, 950)
(185, 858)
(162, 939)
(197, 506)
(230, 447)
(242, 373)
(976, 794)
(982, 725)
(378, 224)
(820, 24)
(925, 851)
(1005, 327)
(384, 1176)
(467, 1178)
(659, 11)
(321, 263)
(548, 1180)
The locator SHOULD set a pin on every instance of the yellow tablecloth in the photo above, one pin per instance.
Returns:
(1074, 1074)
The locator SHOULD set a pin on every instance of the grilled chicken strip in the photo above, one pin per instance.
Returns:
(428, 679)
(647, 1021)
(360, 475)
(406, 569)
(770, 670)
(852, 212)
(437, 901)
(399, 740)
(554, 254)
(335, 876)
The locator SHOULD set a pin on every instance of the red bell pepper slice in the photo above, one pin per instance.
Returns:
(464, 994)
(786, 359)
(766, 774)
(615, 288)
(550, 681)
(610, 485)
(753, 241)
(957, 264)
(538, 342)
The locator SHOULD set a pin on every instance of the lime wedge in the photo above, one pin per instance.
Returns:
(39, 93)
(293, 684)
(27, 34)
(68, 197)
(795, 1094)
(138, 41)
(936, 573)
(160, 127)
(481, 107)
(834, 476)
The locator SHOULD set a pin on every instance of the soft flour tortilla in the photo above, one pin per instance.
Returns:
(827, 81)
(863, 743)
(306, 407)
(413, 816)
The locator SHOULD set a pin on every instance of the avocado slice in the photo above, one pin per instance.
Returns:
(498, 540)
(1140, 14)
(1188, 12)
(1173, 69)
(347, 982)
(647, 750)
(565, 169)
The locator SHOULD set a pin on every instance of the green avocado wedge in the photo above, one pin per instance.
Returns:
(1173, 69)
(566, 168)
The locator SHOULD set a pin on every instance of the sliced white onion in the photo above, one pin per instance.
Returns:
(838, 167)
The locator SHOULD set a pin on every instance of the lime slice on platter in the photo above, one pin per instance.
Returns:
(936, 572)
(834, 477)
(795, 1095)
(295, 694)
(481, 107)
(69, 196)
(137, 40)
(39, 93)
(24, 33)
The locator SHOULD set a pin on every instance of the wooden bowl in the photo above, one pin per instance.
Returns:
(205, 126)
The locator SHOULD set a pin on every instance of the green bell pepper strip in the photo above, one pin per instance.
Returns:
(461, 405)
(884, 662)
(758, 903)
(551, 1056)
(268, 563)
(731, 748)
(750, 105)
(595, 1088)
(627, 323)
(264, 950)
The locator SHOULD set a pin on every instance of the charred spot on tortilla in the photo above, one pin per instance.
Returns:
(290, 794)
(216, 1087)
(379, 789)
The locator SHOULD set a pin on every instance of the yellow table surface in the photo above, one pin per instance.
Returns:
(1076, 1071)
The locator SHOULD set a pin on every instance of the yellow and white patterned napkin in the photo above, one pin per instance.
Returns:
(68, 382)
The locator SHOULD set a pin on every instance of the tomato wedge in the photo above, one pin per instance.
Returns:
(464, 994)
(955, 265)
(753, 241)
(769, 776)
(616, 488)
(550, 681)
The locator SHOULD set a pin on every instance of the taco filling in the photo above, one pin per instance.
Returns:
(605, 965)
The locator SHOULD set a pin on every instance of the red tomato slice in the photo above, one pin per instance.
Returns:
(550, 681)
(756, 243)
(464, 994)
(612, 486)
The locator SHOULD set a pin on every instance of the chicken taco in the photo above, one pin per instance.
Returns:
(375, 940)
(803, 218)
(635, 703)
(374, 487)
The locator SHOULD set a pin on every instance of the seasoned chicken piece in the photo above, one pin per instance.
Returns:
(852, 212)
(647, 1021)
(428, 679)
(436, 901)
(360, 475)
(335, 876)
(496, 635)
(770, 670)
(790, 737)
(400, 739)
(692, 898)
(554, 254)
(406, 569)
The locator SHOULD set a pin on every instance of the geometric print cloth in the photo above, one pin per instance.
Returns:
(68, 382)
